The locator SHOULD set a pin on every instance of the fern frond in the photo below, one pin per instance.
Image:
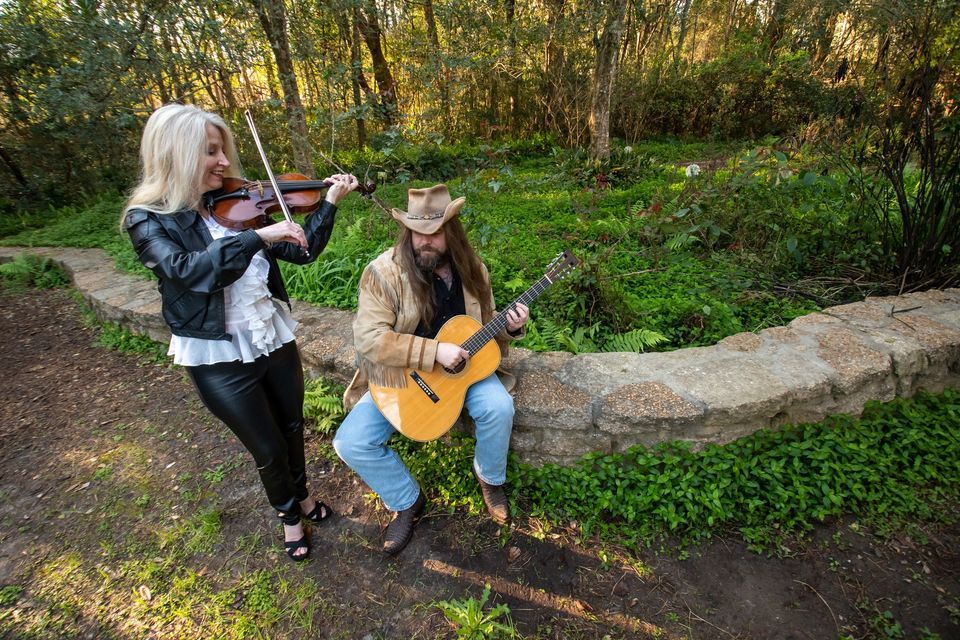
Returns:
(637, 341)
(681, 240)
(581, 340)
(322, 404)
(552, 334)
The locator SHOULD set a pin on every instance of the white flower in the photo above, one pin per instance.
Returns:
(628, 149)
(693, 170)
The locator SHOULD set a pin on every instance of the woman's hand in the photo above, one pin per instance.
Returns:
(283, 232)
(343, 183)
(451, 355)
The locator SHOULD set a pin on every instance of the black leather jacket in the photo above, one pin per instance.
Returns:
(193, 268)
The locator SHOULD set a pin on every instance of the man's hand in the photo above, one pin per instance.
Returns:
(451, 355)
(517, 316)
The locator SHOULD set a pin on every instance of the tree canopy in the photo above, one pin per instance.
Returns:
(79, 77)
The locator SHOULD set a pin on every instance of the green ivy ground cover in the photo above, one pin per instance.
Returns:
(896, 466)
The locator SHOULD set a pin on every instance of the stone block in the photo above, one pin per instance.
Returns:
(321, 351)
(601, 373)
(807, 381)
(540, 400)
(722, 433)
(781, 335)
(522, 360)
(940, 340)
(559, 444)
(96, 280)
(872, 313)
(113, 295)
(637, 410)
(328, 356)
(949, 317)
(731, 385)
(856, 364)
(746, 342)
(813, 321)
(523, 441)
(925, 298)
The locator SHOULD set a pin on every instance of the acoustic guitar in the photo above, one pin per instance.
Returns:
(430, 403)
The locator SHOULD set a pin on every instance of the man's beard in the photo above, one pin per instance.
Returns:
(428, 261)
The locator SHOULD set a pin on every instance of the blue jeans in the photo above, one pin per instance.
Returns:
(361, 442)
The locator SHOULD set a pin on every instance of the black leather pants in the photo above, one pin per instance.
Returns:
(262, 403)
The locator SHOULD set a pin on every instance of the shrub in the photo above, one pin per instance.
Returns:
(27, 270)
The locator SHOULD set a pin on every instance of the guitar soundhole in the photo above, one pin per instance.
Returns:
(456, 369)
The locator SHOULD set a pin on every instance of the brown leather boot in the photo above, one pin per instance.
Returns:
(400, 529)
(496, 501)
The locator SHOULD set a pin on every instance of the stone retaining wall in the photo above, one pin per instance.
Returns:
(566, 405)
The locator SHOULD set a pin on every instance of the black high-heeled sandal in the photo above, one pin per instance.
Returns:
(319, 513)
(295, 545)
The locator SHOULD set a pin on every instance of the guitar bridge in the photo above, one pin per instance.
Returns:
(424, 387)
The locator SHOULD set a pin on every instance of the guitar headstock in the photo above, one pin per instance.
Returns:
(559, 267)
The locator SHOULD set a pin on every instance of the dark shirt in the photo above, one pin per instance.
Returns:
(449, 303)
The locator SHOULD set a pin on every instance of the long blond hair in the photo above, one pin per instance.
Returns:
(171, 151)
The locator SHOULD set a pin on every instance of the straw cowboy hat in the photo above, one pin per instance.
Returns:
(428, 209)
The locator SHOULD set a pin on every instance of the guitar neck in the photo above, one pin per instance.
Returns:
(499, 322)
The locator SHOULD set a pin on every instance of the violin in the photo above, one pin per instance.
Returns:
(243, 204)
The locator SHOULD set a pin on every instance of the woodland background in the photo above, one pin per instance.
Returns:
(827, 134)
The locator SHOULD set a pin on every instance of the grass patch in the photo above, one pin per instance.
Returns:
(94, 224)
(10, 594)
(471, 618)
(161, 585)
(115, 337)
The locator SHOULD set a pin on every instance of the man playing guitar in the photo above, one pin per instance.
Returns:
(429, 276)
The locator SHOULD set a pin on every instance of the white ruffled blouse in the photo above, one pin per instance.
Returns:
(257, 323)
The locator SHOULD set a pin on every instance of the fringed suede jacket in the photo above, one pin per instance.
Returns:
(383, 330)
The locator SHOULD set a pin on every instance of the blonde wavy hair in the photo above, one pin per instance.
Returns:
(171, 152)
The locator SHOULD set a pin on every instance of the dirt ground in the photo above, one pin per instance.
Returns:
(85, 429)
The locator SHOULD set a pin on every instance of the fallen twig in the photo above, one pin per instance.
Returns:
(835, 624)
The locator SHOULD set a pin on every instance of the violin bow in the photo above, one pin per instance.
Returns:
(266, 165)
(374, 199)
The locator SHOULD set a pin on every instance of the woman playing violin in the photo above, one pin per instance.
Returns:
(224, 299)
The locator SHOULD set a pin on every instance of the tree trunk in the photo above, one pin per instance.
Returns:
(604, 72)
(180, 86)
(553, 66)
(682, 37)
(273, 19)
(351, 35)
(775, 28)
(356, 75)
(826, 24)
(13, 167)
(728, 25)
(513, 82)
(437, 55)
(370, 30)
